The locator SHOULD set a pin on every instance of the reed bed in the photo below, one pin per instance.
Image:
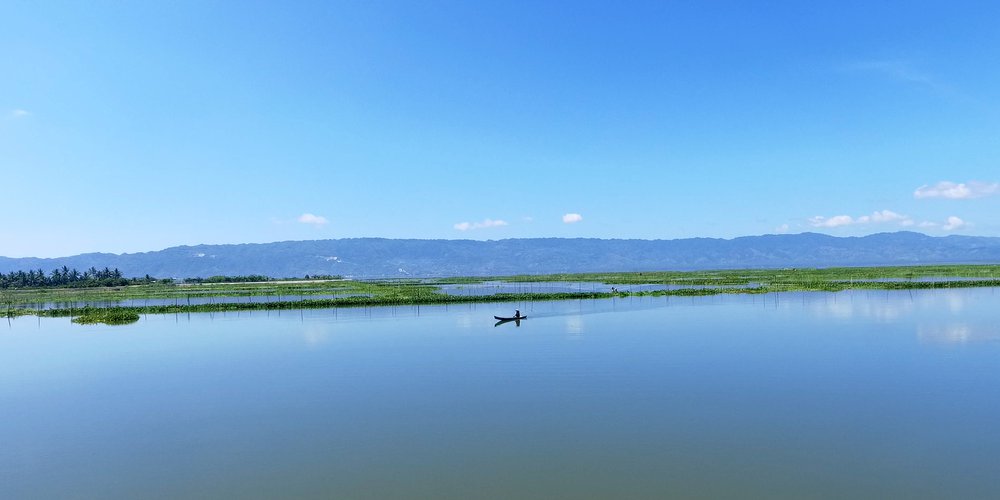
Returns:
(387, 292)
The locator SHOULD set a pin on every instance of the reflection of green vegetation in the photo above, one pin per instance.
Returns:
(110, 316)
(303, 295)
(7, 302)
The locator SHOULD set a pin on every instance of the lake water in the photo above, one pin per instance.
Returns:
(804, 395)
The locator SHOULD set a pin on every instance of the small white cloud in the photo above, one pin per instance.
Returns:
(958, 191)
(877, 217)
(888, 216)
(572, 218)
(487, 223)
(782, 229)
(951, 224)
(835, 221)
(899, 70)
(316, 220)
(954, 223)
(19, 113)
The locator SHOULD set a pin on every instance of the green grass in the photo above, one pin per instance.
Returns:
(745, 276)
(109, 316)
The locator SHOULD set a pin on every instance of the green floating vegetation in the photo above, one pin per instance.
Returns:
(786, 275)
(124, 304)
(109, 316)
(15, 312)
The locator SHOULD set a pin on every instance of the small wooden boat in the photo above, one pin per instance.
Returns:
(512, 318)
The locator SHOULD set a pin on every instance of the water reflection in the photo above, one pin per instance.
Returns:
(315, 334)
(464, 321)
(574, 325)
(885, 306)
(812, 390)
(939, 316)
(517, 322)
(849, 306)
(956, 302)
(957, 333)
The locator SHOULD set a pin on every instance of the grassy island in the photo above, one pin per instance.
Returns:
(124, 304)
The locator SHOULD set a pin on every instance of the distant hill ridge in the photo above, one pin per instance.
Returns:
(379, 257)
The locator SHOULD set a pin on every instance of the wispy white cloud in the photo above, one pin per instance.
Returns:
(835, 221)
(316, 220)
(951, 224)
(19, 113)
(896, 69)
(487, 223)
(954, 223)
(877, 217)
(572, 218)
(882, 216)
(958, 191)
(782, 229)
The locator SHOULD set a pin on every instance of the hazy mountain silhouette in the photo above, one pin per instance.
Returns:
(378, 257)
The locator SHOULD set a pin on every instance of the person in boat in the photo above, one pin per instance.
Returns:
(517, 313)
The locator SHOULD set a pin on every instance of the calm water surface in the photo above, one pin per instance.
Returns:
(812, 395)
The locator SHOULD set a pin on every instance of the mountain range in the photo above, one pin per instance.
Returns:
(379, 257)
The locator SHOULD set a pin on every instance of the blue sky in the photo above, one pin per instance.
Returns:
(134, 126)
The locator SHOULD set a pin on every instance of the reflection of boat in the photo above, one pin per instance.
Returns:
(512, 318)
(502, 321)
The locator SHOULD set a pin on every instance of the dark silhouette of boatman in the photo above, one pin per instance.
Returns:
(517, 313)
